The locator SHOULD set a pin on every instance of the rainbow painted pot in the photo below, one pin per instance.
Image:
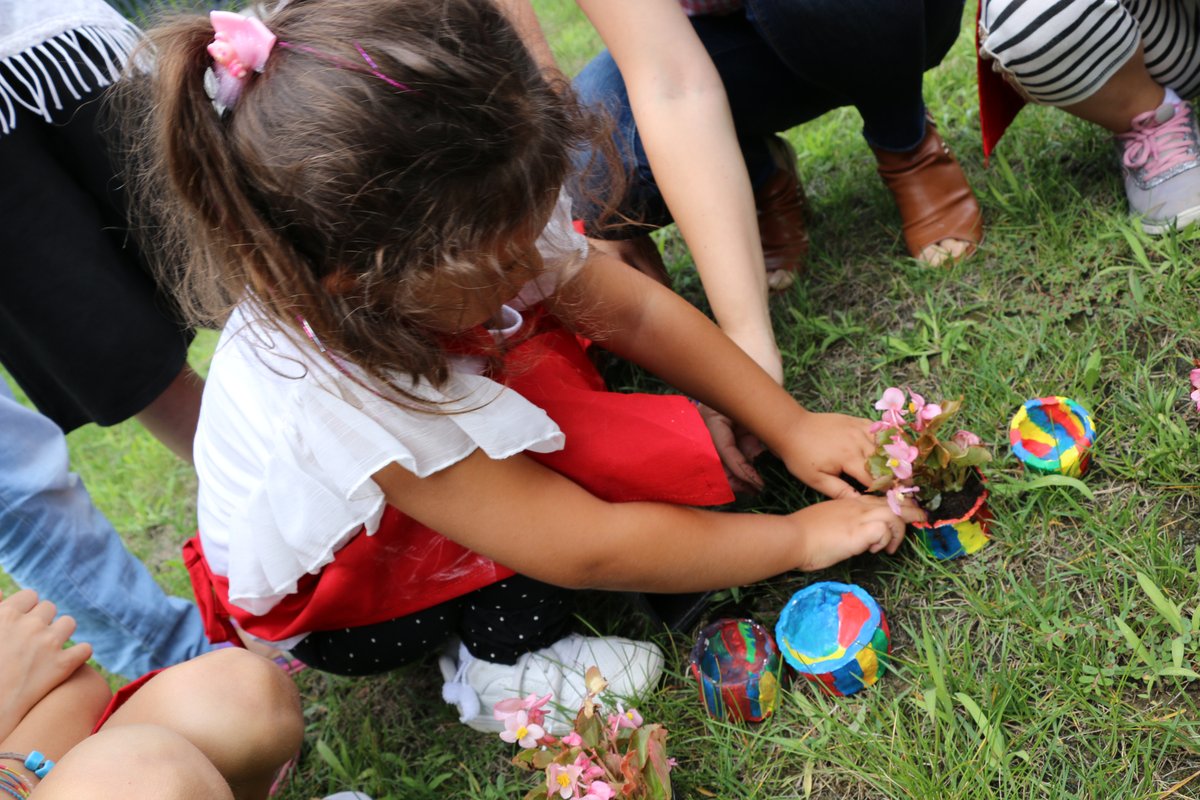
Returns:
(736, 664)
(835, 635)
(960, 536)
(1052, 435)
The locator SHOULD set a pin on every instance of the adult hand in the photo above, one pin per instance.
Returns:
(32, 659)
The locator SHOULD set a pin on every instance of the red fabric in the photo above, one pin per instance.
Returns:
(999, 103)
(122, 696)
(620, 447)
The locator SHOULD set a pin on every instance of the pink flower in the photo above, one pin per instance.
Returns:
(564, 780)
(924, 411)
(624, 719)
(572, 739)
(895, 494)
(1196, 383)
(591, 771)
(531, 704)
(892, 400)
(966, 439)
(891, 419)
(599, 790)
(1196, 398)
(519, 729)
(901, 456)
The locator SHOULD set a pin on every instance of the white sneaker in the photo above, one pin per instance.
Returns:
(1160, 160)
(348, 796)
(475, 686)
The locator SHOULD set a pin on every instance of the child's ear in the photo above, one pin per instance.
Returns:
(340, 282)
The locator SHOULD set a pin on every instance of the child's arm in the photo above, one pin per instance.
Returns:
(641, 320)
(541, 524)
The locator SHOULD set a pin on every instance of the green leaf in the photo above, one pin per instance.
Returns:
(929, 703)
(1091, 371)
(1135, 288)
(1135, 642)
(992, 735)
(1179, 672)
(329, 757)
(1177, 652)
(642, 741)
(1169, 611)
(1139, 252)
(1049, 480)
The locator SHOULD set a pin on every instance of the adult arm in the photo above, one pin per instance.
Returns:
(686, 127)
(522, 16)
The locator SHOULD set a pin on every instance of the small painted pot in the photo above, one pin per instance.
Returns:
(1052, 435)
(835, 635)
(736, 664)
(960, 536)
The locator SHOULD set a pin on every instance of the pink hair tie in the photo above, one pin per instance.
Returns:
(240, 46)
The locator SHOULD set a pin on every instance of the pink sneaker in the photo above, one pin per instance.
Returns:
(1159, 157)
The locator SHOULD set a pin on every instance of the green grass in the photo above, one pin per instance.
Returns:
(1057, 662)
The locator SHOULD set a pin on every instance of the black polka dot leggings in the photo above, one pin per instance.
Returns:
(497, 623)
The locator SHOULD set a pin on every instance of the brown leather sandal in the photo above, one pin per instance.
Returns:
(932, 194)
(782, 218)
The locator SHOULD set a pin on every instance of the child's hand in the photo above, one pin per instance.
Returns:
(834, 530)
(32, 659)
(737, 449)
(825, 446)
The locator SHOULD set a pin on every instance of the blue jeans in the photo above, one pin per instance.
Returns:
(783, 63)
(53, 540)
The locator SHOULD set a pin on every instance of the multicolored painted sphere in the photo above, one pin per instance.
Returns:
(1052, 435)
(736, 664)
(835, 635)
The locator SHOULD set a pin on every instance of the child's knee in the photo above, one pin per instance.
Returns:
(1028, 46)
(261, 697)
(134, 761)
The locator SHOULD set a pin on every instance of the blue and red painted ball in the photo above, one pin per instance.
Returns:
(835, 635)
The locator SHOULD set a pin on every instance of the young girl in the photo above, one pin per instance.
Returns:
(219, 726)
(400, 442)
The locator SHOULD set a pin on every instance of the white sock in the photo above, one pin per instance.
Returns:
(1172, 97)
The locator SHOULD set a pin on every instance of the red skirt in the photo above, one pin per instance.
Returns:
(620, 447)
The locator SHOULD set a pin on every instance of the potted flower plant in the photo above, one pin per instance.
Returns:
(940, 472)
(605, 755)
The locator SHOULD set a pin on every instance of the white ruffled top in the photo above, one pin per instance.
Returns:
(287, 443)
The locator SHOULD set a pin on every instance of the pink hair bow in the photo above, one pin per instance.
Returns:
(240, 46)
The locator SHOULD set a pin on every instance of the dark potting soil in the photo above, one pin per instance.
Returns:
(956, 504)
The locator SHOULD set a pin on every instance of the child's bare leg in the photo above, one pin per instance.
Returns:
(239, 710)
(142, 762)
(59, 721)
(1129, 92)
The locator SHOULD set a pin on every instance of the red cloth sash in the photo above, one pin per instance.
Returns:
(999, 103)
(620, 447)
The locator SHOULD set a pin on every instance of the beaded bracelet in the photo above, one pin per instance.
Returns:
(35, 762)
(14, 784)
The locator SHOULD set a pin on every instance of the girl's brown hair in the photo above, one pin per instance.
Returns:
(333, 195)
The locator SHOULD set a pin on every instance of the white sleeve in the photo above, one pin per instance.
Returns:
(286, 463)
